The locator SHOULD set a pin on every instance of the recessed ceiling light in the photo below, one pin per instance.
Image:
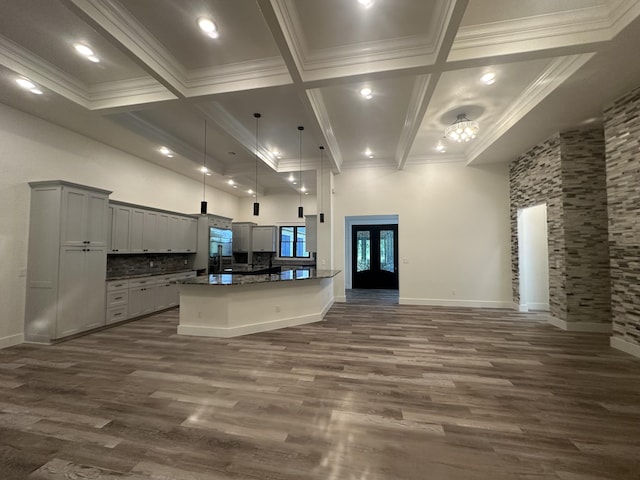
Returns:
(276, 153)
(28, 85)
(366, 92)
(291, 178)
(204, 169)
(303, 189)
(441, 148)
(230, 182)
(165, 151)
(295, 183)
(86, 51)
(208, 27)
(249, 191)
(235, 186)
(368, 153)
(366, 3)
(488, 78)
(306, 193)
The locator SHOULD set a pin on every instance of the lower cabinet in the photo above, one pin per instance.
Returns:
(141, 296)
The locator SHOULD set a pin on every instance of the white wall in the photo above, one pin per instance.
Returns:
(454, 238)
(534, 258)
(280, 209)
(32, 149)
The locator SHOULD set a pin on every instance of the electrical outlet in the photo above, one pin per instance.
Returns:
(185, 262)
(151, 264)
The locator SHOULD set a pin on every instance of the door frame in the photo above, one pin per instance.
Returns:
(348, 246)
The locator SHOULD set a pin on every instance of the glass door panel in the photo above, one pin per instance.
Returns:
(387, 251)
(363, 257)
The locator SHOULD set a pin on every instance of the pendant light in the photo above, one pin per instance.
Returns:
(321, 183)
(300, 209)
(256, 205)
(203, 203)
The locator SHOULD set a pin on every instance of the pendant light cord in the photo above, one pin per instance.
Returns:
(257, 116)
(300, 171)
(204, 163)
(321, 178)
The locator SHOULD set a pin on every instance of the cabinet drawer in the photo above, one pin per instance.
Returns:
(116, 314)
(119, 297)
(141, 282)
(117, 285)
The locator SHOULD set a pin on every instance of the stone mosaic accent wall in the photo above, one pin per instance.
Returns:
(622, 135)
(132, 265)
(584, 200)
(535, 178)
(567, 172)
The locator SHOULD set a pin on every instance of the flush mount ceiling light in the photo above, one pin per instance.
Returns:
(166, 152)
(208, 27)
(29, 85)
(366, 3)
(488, 78)
(462, 130)
(86, 52)
(366, 92)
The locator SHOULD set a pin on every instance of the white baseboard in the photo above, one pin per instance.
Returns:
(525, 307)
(624, 346)
(340, 299)
(11, 340)
(586, 327)
(437, 302)
(202, 331)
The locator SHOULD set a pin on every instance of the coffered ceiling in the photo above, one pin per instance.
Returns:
(305, 62)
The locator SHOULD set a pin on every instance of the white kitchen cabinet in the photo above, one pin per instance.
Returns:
(142, 296)
(120, 221)
(264, 238)
(311, 230)
(117, 301)
(163, 233)
(84, 217)
(241, 240)
(143, 232)
(66, 260)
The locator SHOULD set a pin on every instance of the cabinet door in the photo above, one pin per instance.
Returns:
(94, 298)
(163, 238)
(192, 235)
(120, 229)
(136, 231)
(70, 318)
(150, 231)
(73, 228)
(311, 230)
(174, 233)
(81, 294)
(136, 301)
(164, 296)
(149, 299)
(96, 219)
(264, 239)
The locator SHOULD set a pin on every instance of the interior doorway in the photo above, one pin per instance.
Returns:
(375, 256)
(533, 258)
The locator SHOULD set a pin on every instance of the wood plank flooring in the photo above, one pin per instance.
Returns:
(374, 392)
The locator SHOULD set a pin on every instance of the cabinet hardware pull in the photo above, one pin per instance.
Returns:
(118, 298)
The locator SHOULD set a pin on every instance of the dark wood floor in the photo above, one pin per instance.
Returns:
(372, 296)
(374, 392)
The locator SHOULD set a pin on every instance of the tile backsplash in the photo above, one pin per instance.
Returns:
(133, 265)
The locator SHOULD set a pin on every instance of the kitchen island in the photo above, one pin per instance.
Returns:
(233, 304)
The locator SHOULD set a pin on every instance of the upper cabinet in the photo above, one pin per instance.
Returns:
(136, 229)
(264, 238)
(241, 236)
(84, 214)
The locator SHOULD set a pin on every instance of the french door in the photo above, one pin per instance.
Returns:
(375, 256)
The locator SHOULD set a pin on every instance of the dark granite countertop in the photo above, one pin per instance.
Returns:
(150, 274)
(240, 279)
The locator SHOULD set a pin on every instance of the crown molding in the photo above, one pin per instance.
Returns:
(115, 20)
(229, 124)
(579, 26)
(435, 159)
(420, 97)
(382, 55)
(265, 72)
(135, 91)
(322, 116)
(25, 63)
(151, 132)
(622, 13)
(556, 73)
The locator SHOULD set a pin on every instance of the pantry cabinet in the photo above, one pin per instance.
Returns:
(66, 269)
